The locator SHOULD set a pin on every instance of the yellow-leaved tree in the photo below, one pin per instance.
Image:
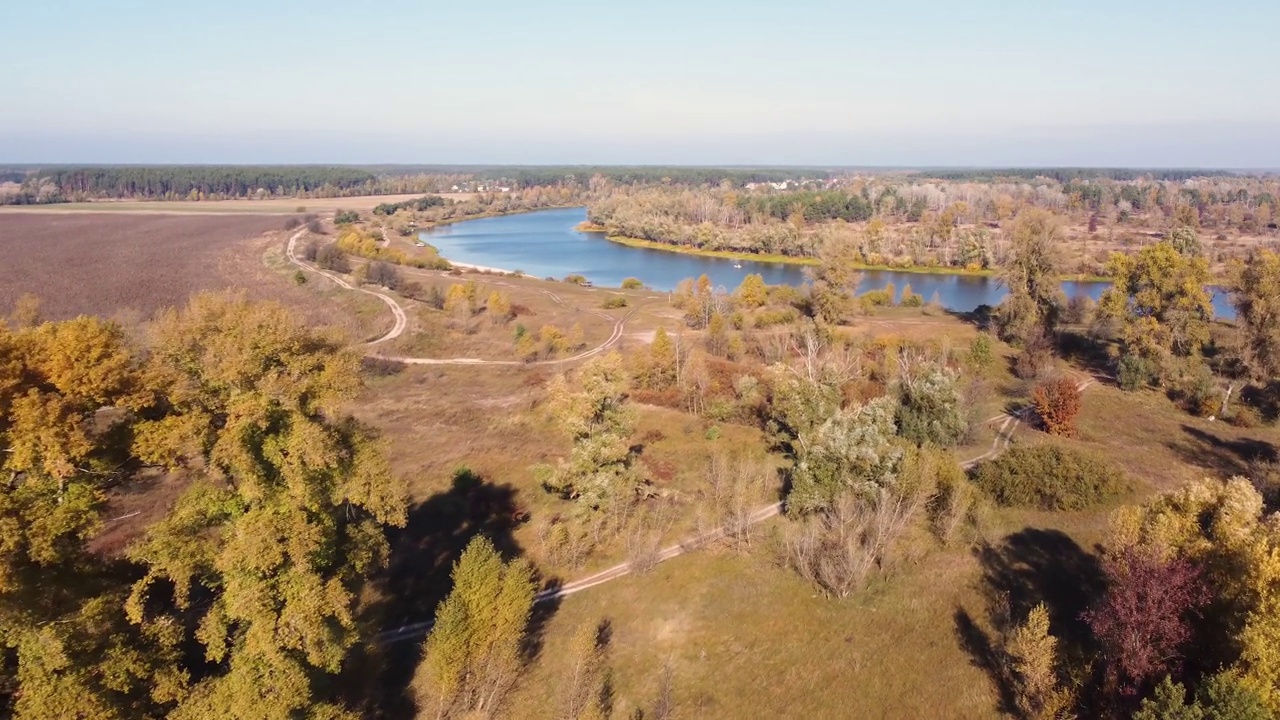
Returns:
(66, 388)
(1222, 528)
(268, 548)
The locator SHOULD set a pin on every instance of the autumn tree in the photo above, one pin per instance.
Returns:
(268, 548)
(835, 280)
(1033, 662)
(1160, 298)
(753, 292)
(1057, 403)
(67, 391)
(1144, 622)
(472, 656)
(1031, 277)
(1255, 291)
(584, 692)
(498, 306)
(1221, 528)
(599, 471)
(656, 368)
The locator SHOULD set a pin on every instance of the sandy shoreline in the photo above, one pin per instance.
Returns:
(481, 268)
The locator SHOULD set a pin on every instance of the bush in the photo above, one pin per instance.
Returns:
(632, 284)
(1057, 403)
(380, 366)
(613, 302)
(910, 299)
(981, 353)
(332, 258)
(346, 217)
(1049, 477)
(575, 279)
(310, 251)
(1134, 372)
(299, 278)
(292, 223)
(780, 316)
(384, 274)
(314, 227)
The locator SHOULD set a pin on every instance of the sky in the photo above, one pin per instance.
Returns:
(1100, 83)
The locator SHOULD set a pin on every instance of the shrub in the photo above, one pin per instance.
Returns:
(613, 302)
(575, 279)
(332, 258)
(1134, 372)
(878, 298)
(632, 284)
(310, 251)
(380, 366)
(1057, 403)
(910, 299)
(981, 353)
(292, 223)
(299, 278)
(1049, 477)
(384, 274)
(346, 217)
(314, 227)
(780, 316)
(1035, 359)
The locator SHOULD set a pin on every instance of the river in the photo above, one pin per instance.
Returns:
(545, 244)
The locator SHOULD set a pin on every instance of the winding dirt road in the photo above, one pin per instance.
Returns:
(402, 320)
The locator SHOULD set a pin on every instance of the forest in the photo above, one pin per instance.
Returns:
(905, 221)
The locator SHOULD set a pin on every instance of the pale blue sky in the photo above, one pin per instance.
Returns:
(929, 82)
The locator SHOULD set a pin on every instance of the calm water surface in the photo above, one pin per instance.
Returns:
(545, 244)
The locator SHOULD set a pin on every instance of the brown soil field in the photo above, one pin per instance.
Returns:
(270, 206)
(122, 265)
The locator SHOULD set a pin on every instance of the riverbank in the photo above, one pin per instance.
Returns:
(481, 216)
(809, 261)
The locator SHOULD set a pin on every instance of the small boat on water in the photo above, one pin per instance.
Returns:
(737, 264)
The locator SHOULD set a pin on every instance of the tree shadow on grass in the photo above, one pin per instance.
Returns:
(1024, 569)
(1089, 354)
(1227, 457)
(417, 578)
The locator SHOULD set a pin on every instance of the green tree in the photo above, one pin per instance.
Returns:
(1255, 291)
(472, 656)
(851, 452)
(1185, 240)
(929, 406)
(285, 519)
(1031, 277)
(599, 470)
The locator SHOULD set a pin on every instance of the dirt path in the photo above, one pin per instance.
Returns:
(402, 320)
